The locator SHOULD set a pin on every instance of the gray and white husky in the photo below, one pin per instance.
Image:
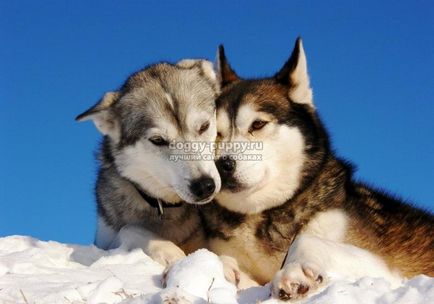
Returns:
(146, 190)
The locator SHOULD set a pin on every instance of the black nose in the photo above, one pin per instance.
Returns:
(226, 165)
(202, 187)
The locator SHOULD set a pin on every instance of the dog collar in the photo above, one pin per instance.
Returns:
(155, 202)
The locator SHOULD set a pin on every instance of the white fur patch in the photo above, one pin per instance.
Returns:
(195, 121)
(329, 225)
(208, 69)
(187, 63)
(223, 123)
(169, 100)
(245, 116)
(143, 163)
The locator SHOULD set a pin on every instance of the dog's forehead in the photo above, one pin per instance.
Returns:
(242, 102)
(166, 95)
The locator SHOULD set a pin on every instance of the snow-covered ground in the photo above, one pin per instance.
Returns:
(33, 271)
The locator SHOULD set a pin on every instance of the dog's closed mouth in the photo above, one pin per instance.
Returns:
(233, 186)
(205, 201)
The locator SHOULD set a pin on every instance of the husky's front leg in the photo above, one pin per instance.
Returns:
(302, 274)
(313, 261)
(235, 275)
(160, 250)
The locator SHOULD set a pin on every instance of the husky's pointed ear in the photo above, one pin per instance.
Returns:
(102, 116)
(294, 74)
(225, 74)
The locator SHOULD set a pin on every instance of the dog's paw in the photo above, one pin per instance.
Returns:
(166, 253)
(165, 275)
(234, 275)
(174, 299)
(296, 281)
(231, 269)
(175, 295)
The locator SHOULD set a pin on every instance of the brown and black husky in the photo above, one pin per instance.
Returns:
(293, 192)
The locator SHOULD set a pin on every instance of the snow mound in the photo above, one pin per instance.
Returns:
(33, 271)
(201, 274)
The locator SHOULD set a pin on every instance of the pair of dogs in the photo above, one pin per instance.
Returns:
(172, 138)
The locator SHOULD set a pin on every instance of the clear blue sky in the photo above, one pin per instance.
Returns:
(371, 64)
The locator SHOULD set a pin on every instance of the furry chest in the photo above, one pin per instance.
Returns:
(251, 252)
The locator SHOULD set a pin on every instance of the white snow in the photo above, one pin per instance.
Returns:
(33, 271)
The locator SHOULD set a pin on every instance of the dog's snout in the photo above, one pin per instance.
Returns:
(226, 165)
(203, 187)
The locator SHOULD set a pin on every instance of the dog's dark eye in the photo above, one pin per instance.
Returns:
(204, 127)
(158, 141)
(257, 125)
